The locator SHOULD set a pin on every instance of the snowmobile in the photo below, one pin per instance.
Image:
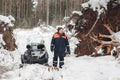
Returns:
(35, 53)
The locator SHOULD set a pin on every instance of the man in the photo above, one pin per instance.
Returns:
(59, 45)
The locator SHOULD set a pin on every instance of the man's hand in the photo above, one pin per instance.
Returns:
(52, 49)
(68, 49)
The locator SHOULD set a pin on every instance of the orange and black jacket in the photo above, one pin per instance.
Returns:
(59, 44)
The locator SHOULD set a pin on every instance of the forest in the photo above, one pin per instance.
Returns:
(29, 12)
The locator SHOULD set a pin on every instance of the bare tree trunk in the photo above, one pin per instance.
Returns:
(3, 6)
(47, 16)
(67, 8)
(60, 13)
(10, 6)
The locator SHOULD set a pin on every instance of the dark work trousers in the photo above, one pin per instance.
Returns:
(61, 61)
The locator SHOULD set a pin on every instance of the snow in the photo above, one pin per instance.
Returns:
(24, 37)
(66, 18)
(74, 41)
(1, 40)
(7, 20)
(63, 26)
(75, 68)
(96, 5)
(9, 60)
(117, 36)
(81, 68)
(88, 68)
(77, 12)
(71, 23)
(11, 18)
(35, 4)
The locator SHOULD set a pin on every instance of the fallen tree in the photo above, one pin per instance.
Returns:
(97, 28)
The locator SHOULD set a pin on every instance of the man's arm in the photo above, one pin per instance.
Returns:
(52, 44)
(67, 46)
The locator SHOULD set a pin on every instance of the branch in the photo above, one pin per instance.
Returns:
(108, 28)
(107, 36)
(106, 42)
(98, 47)
(92, 27)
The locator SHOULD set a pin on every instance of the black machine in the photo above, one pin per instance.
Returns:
(35, 53)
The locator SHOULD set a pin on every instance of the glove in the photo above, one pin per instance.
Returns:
(68, 50)
(52, 48)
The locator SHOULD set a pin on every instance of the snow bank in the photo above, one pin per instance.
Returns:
(10, 60)
(82, 68)
(32, 72)
(7, 20)
(88, 68)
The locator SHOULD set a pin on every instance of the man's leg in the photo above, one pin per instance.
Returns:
(55, 61)
(61, 63)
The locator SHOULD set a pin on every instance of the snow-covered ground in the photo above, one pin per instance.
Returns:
(81, 68)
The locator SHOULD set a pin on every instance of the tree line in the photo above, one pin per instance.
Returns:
(50, 12)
